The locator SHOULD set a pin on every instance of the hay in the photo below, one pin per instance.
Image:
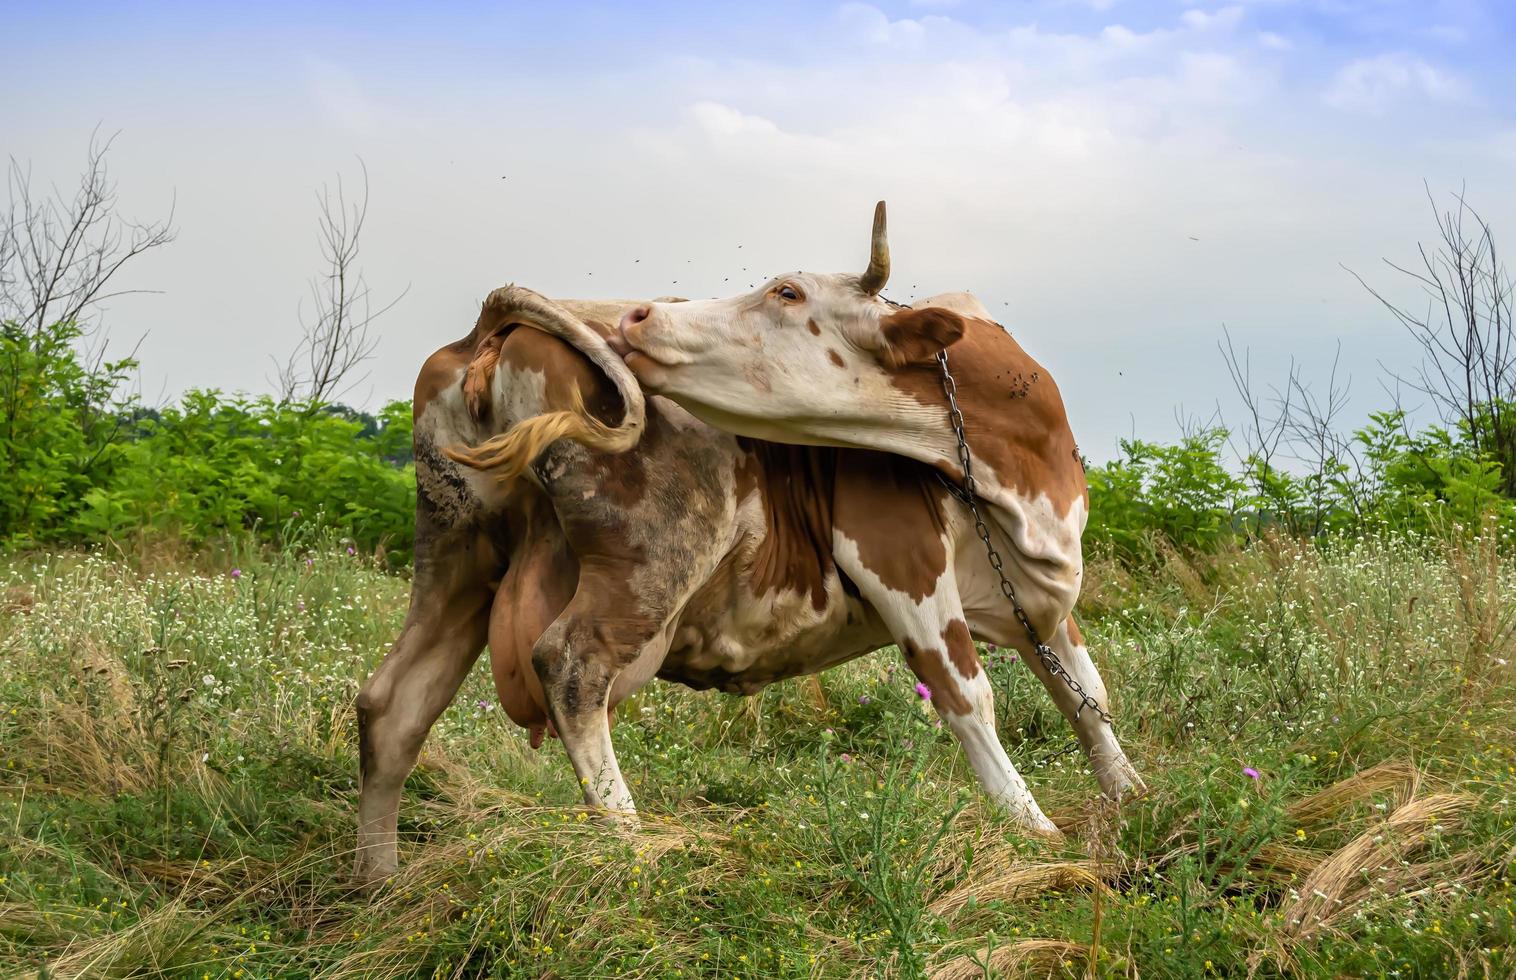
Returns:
(1397, 776)
(1346, 878)
(1019, 882)
(1027, 957)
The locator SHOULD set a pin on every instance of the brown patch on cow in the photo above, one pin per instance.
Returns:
(930, 667)
(1025, 440)
(891, 508)
(811, 326)
(565, 368)
(915, 336)
(622, 477)
(439, 372)
(795, 485)
(835, 358)
(960, 648)
(1074, 634)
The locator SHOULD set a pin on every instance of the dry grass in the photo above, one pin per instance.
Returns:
(995, 881)
(1023, 958)
(1397, 777)
(1375, 862)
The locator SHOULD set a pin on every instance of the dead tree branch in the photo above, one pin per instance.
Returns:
(1468, 368)
(336, 338)
(60, 254)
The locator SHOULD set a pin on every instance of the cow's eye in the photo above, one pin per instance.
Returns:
(789, 293)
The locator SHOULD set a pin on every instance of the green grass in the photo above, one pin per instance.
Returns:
(177, 791)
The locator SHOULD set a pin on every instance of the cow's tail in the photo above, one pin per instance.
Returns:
(509, 454)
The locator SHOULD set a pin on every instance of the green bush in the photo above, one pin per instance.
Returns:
(89, 466)
(60, 423)
(1181, 493)
(214, 464)
(1386, 476)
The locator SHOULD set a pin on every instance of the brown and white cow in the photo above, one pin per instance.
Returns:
(723, 560)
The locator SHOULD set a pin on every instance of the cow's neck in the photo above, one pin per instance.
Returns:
(1014, 421)
(795, 486)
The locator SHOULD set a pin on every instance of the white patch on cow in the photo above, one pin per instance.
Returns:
(447, 423)
(1047, 581)
(779, 633)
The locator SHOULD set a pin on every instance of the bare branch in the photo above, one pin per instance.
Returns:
(1468, 368)
(336, 338)
(58, 254)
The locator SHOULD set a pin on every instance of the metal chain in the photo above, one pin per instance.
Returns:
(969, 494)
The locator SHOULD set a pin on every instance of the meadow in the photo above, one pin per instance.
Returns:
(1327, 728)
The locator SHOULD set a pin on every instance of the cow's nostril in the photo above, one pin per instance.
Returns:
(636, 315)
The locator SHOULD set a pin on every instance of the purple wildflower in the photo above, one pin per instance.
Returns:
(1250, 772)
(236, 574)
(923, 692)
(309, 562)
(863, 699)
(845, 757)
(350, 550)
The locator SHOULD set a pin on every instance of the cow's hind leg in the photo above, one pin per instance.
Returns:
(442, 637)
(1118, 779)
(594, 654)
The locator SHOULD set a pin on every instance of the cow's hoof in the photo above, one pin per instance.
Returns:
(620, 821)
(1051, 834)
(366, 880)
(1039, 827)
(369, 874)
(1129, 790)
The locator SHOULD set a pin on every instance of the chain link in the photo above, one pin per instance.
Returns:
(969, 494)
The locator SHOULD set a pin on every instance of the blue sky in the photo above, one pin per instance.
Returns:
(1117, 179)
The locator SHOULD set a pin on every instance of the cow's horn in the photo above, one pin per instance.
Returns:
(878, 272)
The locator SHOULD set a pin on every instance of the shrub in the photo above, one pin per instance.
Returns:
(89, 465)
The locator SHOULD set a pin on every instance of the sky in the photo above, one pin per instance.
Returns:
(1118, 180)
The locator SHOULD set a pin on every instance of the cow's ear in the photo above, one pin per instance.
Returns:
(915, 336)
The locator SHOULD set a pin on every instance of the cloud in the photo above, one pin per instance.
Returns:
(1224, 18)
(1274, 42)
(1374, 85)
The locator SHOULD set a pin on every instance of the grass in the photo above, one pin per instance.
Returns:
(177, 790)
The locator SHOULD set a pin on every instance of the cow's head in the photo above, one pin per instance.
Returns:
(800, 359)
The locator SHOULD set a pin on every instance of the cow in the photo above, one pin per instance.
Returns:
(785, 497)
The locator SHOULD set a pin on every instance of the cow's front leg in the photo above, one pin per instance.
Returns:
(442, 637)
(962, 694)
(1118, 779)
(934, 636)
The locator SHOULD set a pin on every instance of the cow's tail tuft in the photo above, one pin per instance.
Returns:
(509, 454)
